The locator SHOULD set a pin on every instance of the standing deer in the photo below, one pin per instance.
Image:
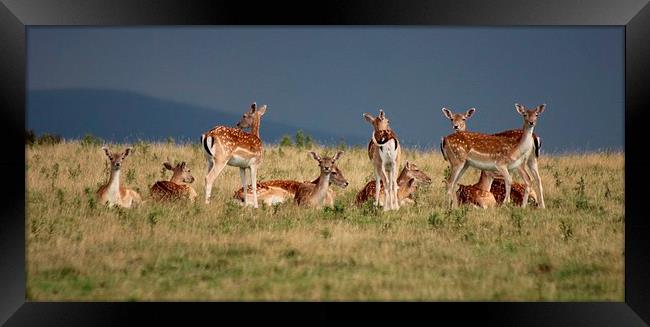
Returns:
(280, 190)
(176, 187)
(234, 147)
(498, 189)
(410, 171)
(489, 152)
(113, 193)
(314, 195)
(385, 152)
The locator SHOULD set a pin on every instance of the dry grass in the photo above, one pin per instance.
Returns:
(78, 250)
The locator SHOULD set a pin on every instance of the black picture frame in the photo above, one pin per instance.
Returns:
(16, 15)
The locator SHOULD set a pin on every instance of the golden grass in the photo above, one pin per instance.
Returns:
(78, 250)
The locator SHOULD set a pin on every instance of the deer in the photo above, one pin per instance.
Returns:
(314, 195)
(385, 153)
(478, 194)
(176, 188)
(113, 193)
(280, 190)
(494, 153)
(405, 190)
(458, 121)
(234, 147)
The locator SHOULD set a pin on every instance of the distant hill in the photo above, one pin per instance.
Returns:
(122, 116)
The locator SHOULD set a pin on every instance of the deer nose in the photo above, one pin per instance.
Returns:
(345, 184)
(531, 123)
(455, 127)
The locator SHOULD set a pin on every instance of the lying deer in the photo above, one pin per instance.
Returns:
(113, 193)
(458, 121)
(279, 190)
(494, 153)
(314, 195)
(404, 191)
(176, 188)
(385, 152)
(234, 147)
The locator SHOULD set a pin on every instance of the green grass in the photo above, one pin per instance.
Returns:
(78, 249)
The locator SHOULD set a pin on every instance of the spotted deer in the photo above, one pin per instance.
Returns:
(113, 193)
(385, 153)
(404, 191)
(235, 147)
(279, 190)
(176, 188)
(458, 122)
(494, 153)
(314, 195)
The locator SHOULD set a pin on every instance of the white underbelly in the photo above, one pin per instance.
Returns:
(482, 165)
(240, 162)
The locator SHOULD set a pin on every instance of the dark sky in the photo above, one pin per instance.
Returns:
(324, 78)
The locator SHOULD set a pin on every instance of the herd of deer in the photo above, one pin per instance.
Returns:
(494, 155)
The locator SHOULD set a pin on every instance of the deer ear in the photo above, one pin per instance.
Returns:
(541, 108)
(470, 112)
(407, 165)
(107, 152)
(381, 113)
(369, 118)
(315, 156)
(168, 166)
(520, 109)
(411, 182)
(127, 152)
(253, 106)
(338, 155)
(262, 110)
(447, 113)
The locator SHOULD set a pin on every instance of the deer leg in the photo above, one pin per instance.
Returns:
(395, 187)
(388, 204)
(377, 186)
(526, 178)
(242, 174)
(532, 164)
(508, 181)
(253, 172)
(456, 172)
(215, 170)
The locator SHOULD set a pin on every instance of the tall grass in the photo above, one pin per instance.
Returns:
(78, 249)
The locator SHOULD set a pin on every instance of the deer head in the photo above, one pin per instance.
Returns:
(181, 174)
(458, 120)
(252, 117)
(379, 123)
(116, 157)
(337, 178)
(327, 165)
(530, 116)
(411, 170)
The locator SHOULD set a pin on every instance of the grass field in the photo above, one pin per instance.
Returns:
(79, 250)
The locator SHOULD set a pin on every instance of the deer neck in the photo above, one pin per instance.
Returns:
(321, 187)
(114, 184)
(526, 140)
(255, 127)
(177, 180)
(403, 176)
(485, 182)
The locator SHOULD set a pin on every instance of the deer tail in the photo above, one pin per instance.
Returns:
(207, 141)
